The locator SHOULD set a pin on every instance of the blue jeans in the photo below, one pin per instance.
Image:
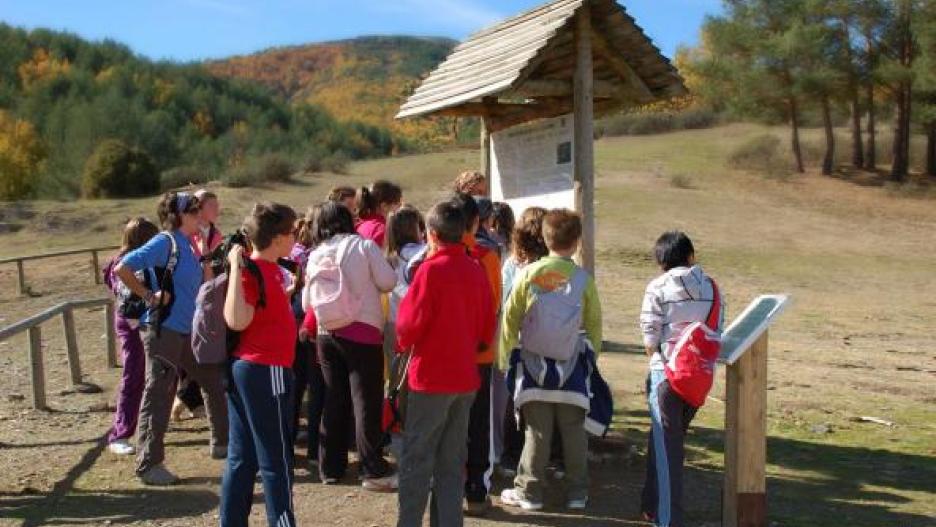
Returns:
(669, 418)
(260, 409)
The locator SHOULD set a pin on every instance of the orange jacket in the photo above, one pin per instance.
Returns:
(491, 263)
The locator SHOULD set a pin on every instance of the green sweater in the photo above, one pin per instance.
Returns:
(544, 276)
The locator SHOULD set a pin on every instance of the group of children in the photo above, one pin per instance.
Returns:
(487, 323)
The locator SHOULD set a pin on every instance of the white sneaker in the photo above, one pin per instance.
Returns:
(384, 484)
(159, 476)
(577, 505)
(121, 447)
(513, 498)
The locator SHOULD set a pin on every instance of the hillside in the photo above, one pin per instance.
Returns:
(61, 96)
(364, 79)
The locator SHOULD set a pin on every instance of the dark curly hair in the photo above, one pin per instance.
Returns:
(528, 244)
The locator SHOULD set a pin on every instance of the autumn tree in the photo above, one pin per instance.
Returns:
(21, 157)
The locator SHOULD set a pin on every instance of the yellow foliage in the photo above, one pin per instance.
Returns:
(42, 66)
(21, 157)
(203, 122)
(163, 91)
(105, 74)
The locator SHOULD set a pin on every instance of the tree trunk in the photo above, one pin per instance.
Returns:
(904, 97)
(855, 102)
(931, 150)
(828, 162)
(794, 124)
(870, 158)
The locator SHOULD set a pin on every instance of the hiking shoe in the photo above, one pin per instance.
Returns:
(158, 476)
(477, 508)
(513, 498)
(121, 447)
(385, 484)
(577, 504)
(218, 452)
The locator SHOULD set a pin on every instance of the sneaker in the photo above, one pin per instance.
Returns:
(477, 508)
(158, 476)
(385, 484)
(648, 517)
(329, 481)
(218, 452)
(513, 498)
(178, 408)
(577, 504)
(121, 447)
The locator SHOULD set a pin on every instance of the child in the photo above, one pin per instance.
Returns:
(480, 466)
(260, 398)
(374, 205)
(127, 324)
(443, 374)
(503, 226)
(562, 403)
(683, 294)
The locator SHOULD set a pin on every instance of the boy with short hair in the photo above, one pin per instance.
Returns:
(683, 294)
(446, 319)
(560, 400)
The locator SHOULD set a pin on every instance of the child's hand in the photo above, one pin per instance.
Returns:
(235, 257)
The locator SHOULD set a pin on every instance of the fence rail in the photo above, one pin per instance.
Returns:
(93, 264)
(32, 325)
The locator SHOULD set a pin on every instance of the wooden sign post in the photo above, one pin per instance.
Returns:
(744, 350)
(583, 134)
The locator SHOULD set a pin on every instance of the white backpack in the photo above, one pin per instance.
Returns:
(552, 326)
(327, 291)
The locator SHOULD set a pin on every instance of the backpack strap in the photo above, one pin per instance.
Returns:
(578, 282)
(254, 269)
(165, 282)
(715, 312)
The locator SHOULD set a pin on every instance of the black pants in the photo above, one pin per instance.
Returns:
(309, 377)
(479, 465)
(353, 374)
(189, 392)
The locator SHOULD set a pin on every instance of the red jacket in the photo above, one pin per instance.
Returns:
(447, 317)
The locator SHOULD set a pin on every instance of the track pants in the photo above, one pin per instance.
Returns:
(260, 408)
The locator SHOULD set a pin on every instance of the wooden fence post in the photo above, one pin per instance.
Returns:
(111, 336)
(36, 369)
(71, 345)
(745, 493)
(20, 279)
(95, 268)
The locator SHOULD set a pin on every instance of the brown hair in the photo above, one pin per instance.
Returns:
(527, 244)
(380, 192)
(468, 181)
(172, 205)
(404, 226)
(136, 233)
(341, 193)
(267, 221)
(562, 229)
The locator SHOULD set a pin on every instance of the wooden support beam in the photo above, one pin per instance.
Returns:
(95, 268)
(745, 492)
(36, 368)
(583, 134)
(638, 90)
(20, 278)
(485, 167)
(71, 346)
(563, 88)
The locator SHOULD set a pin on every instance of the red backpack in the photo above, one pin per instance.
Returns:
(690, 369)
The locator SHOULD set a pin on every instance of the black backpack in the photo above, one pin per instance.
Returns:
(160, 313)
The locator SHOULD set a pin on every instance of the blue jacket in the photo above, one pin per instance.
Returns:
(576, 381)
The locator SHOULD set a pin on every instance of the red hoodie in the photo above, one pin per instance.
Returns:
(446, 317)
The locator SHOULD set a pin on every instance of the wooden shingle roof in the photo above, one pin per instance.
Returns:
(523, 67)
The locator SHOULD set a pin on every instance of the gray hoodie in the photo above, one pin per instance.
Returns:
(674, 300)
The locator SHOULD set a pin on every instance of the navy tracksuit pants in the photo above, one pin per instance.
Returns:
(260, 410)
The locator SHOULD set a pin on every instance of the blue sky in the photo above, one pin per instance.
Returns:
(199, 29)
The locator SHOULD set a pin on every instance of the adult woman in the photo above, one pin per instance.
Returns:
(166, 337)
(351, 357)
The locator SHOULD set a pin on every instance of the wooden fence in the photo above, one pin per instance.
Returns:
(94, 264)
(32, 324)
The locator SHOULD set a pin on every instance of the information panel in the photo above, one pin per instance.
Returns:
(751, 324)
(531, 165)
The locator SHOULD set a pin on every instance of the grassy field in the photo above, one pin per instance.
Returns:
(857, 259)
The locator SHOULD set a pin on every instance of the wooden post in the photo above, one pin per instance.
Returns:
(745, 492)
(111, 335)
(36, 369)
(20, 279)
(95, 268)
(71, 345)
(486, 151)
(583, 143)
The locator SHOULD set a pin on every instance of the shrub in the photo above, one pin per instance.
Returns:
(647, 123)
(115, 170)
(238, 177)
(336, 163)
(762, 154)
(273, 168)
(183, 176)
(681, 181)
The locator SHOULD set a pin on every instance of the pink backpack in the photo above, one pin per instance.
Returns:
(327, 292)
(690, 369)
